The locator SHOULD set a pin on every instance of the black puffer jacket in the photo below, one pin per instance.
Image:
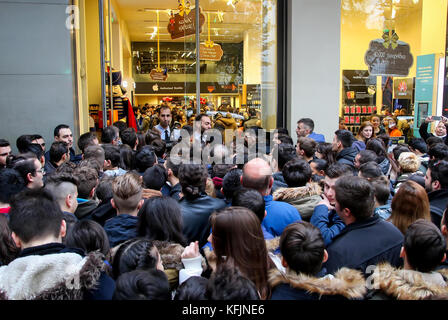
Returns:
(195, 216)
(437, 201)
(347, 156)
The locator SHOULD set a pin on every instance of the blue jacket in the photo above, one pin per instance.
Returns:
(365, 243)
(279, 215)
(279, 181)
(121, 228)
(317, 137)
(328, 222)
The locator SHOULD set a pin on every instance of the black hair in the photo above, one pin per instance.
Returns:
(109, 134)
(438, 151)
(418, 144)
(370, 170)
(439, 172)
(285, 153)
(171, 165)
(87, 180)
(228, 283)
(145, 158)
(134, 254)
(231, 182)
(297, 173)
(192, 289)
(302, 246)
(377, 145)
(282, 131)
(399, 149)
(127, 157)
(220, 170)
(112, 153)
(4, 143)
(345, 137)
(35, 214)
(433, 140)
(337, 170)
(129, 136)
(142, 285)
(283, 138)
(89, 236)
(104, 189)
(366, 156)
(308, 122)
(85, 140)
(24, 164)
(57, 150)
(22, 143)
(155, 177)
(58, 128)
(424, 245)
(11, 183)
(250, 199)
(120, 125)
(160, 218)
(356, 194)
(321, 164)
(192, 178)
(8, 248)
(381, 188)
(159, 147)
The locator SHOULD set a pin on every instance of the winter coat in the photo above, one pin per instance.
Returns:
(347, 156)
(54, 272)
(121, 228)
(279, 181)
(359, 145)
(171, 253)
(304, 199)
(328, 222)
(345, 284)
(103, 212)
(85, 209)
(404, 177)
(437, 204)
(279, 215)
(227, 122)
(385, 166)
(400, 284)
(365, 243)
(195, 217)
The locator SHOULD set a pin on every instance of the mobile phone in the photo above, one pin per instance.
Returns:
(436, 118)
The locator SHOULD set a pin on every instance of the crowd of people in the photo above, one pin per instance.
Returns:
(349, 218)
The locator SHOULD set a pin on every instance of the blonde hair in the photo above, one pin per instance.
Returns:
(409, 162)
(127, 190)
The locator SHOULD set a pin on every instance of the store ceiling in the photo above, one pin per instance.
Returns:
(141, 19)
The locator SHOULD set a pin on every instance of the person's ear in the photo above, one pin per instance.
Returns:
(29, 177)
(436, 185)
(325, 256)
(92, 193)
(402, 253)
(221, 191)
(284, 263)
(271, 182)
(241, 179)
(68, 201)
(322, 173)
(444, 230)
(64, 157)
(107, 163)
(140, 204)
(112, 202)
(444, 257)
(265, 213)
(63, 231)
(16, 239)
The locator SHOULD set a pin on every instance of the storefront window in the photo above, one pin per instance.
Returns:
(391, 51)
(240, 77)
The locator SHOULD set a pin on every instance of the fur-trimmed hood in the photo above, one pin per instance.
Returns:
(346, 282)
(403, 284)
(284, 194)
(170, 253)
(304, 199)
(60, 276)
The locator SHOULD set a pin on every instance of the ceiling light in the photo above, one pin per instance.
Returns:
(415, 1)
(394, 13)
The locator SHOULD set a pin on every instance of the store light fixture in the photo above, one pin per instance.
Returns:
(394, 13)
(415, 1)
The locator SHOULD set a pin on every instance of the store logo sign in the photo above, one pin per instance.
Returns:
(402, 87)
(155, 87)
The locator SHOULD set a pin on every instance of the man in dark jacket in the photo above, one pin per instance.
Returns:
(87, 182)
(127, 199)
(436, 184)
(342, 145)
(367, 239)
(45, 268)
(196, 205)
(63, 133)
(282, 153)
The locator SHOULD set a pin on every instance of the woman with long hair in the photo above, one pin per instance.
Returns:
(237, 239)
(409, 204)
(324, 151)
(377, 127)
(377, 145)
(364, 134)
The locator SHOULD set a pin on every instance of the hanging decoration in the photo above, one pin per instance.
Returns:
(158, 74)
(209, 50)
(183, 23)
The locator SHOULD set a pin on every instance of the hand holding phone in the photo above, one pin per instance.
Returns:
(436, 118)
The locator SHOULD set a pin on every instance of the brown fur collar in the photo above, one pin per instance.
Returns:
(346, 282)
(170, 253)
(407, 284)
(311, 189)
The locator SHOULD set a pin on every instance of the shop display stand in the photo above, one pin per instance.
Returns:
(354, 115)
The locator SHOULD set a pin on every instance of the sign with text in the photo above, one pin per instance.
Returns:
(168, 88)
(212, 53)
(184, 25)
(359, 87)
(387, 61)
(158, 75)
